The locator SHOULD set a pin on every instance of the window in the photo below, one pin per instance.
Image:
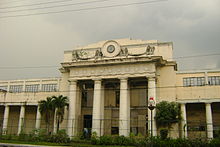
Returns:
(15, 88)
(32, 88)
(49, 87)
(117, 98)
(114, 130)
(3, 87)
(214, 80)
(194, 81)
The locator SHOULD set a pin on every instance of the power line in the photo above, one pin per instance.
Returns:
(202, 55)
(26, 67)
(84, 9)
(52, 66)
(36, 4)
(12, 2)
(49, 7)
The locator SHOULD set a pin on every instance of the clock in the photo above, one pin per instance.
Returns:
(111, 48)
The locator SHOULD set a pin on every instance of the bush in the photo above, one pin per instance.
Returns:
(163, 133)
(105, 140)
(122, 140)
(59, 137)
(215, 143)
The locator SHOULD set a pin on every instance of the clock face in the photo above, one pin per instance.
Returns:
(111, 48)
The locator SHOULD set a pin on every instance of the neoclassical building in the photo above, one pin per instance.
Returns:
(109, 85)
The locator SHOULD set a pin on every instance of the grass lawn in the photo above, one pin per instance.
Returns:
(35, 143)
(57, 144)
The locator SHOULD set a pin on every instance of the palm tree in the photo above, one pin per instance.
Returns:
(47, 108)
(59, 103)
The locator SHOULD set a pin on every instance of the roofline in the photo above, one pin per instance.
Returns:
(198, 71)
(38, 79)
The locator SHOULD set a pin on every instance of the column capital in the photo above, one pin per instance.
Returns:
(123, 78)
(208, 103)
(183, 103)
(151, 78)
(97, 79)
(72, 81)
(6, 105)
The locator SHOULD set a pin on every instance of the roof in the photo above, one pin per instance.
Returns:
(125, 41)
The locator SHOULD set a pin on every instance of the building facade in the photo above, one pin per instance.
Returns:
(109, 85)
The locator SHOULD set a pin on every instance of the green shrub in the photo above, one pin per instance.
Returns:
(215, 143)
(163, 133)
(59, 137)
(94, 138)
(105, 140)
(122, 140)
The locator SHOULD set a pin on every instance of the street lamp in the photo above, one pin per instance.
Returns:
(151, 106)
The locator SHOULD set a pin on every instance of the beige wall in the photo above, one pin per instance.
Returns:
(30, 118)
(166, 84)
(196, 92)
(14, 113)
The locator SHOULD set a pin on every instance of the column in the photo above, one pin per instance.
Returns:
(152, 93)
(72, 109)
(55, 122)
(183, 121)
(97, 108)
(21, 119)
(209, 122)
(5, 121)
(124, 110)
(38, 118)
(102, 109)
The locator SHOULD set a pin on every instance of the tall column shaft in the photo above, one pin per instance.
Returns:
(124, 110)
(55, 122)
(183, 121)
(102, 109)
(152, 93)
(38, 118)
(21, 119)
(5, 121)
(72, 109)
(97, 108)
(209, 122)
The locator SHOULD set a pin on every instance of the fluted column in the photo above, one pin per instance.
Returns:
(71, 126)
(38, 118)
(152, 94)
(124, 110)
(21, 119)
(5, 121)
(183, 121)
(209, 122)
(97, 108)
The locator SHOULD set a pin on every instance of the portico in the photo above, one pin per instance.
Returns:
(98, 65)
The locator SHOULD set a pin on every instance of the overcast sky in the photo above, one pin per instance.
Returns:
(192, 25)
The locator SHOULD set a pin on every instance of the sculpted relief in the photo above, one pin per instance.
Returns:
(112, 49)
(113, 70)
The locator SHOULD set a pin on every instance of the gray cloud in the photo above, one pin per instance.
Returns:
(192, 25)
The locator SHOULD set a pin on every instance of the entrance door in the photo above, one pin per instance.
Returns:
(87, 125)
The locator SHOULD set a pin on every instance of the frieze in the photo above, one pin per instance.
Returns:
(112, 49)
(113, 70)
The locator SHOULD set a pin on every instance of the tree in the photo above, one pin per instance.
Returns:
(59, 103)
(47, 108)
(167, 113)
